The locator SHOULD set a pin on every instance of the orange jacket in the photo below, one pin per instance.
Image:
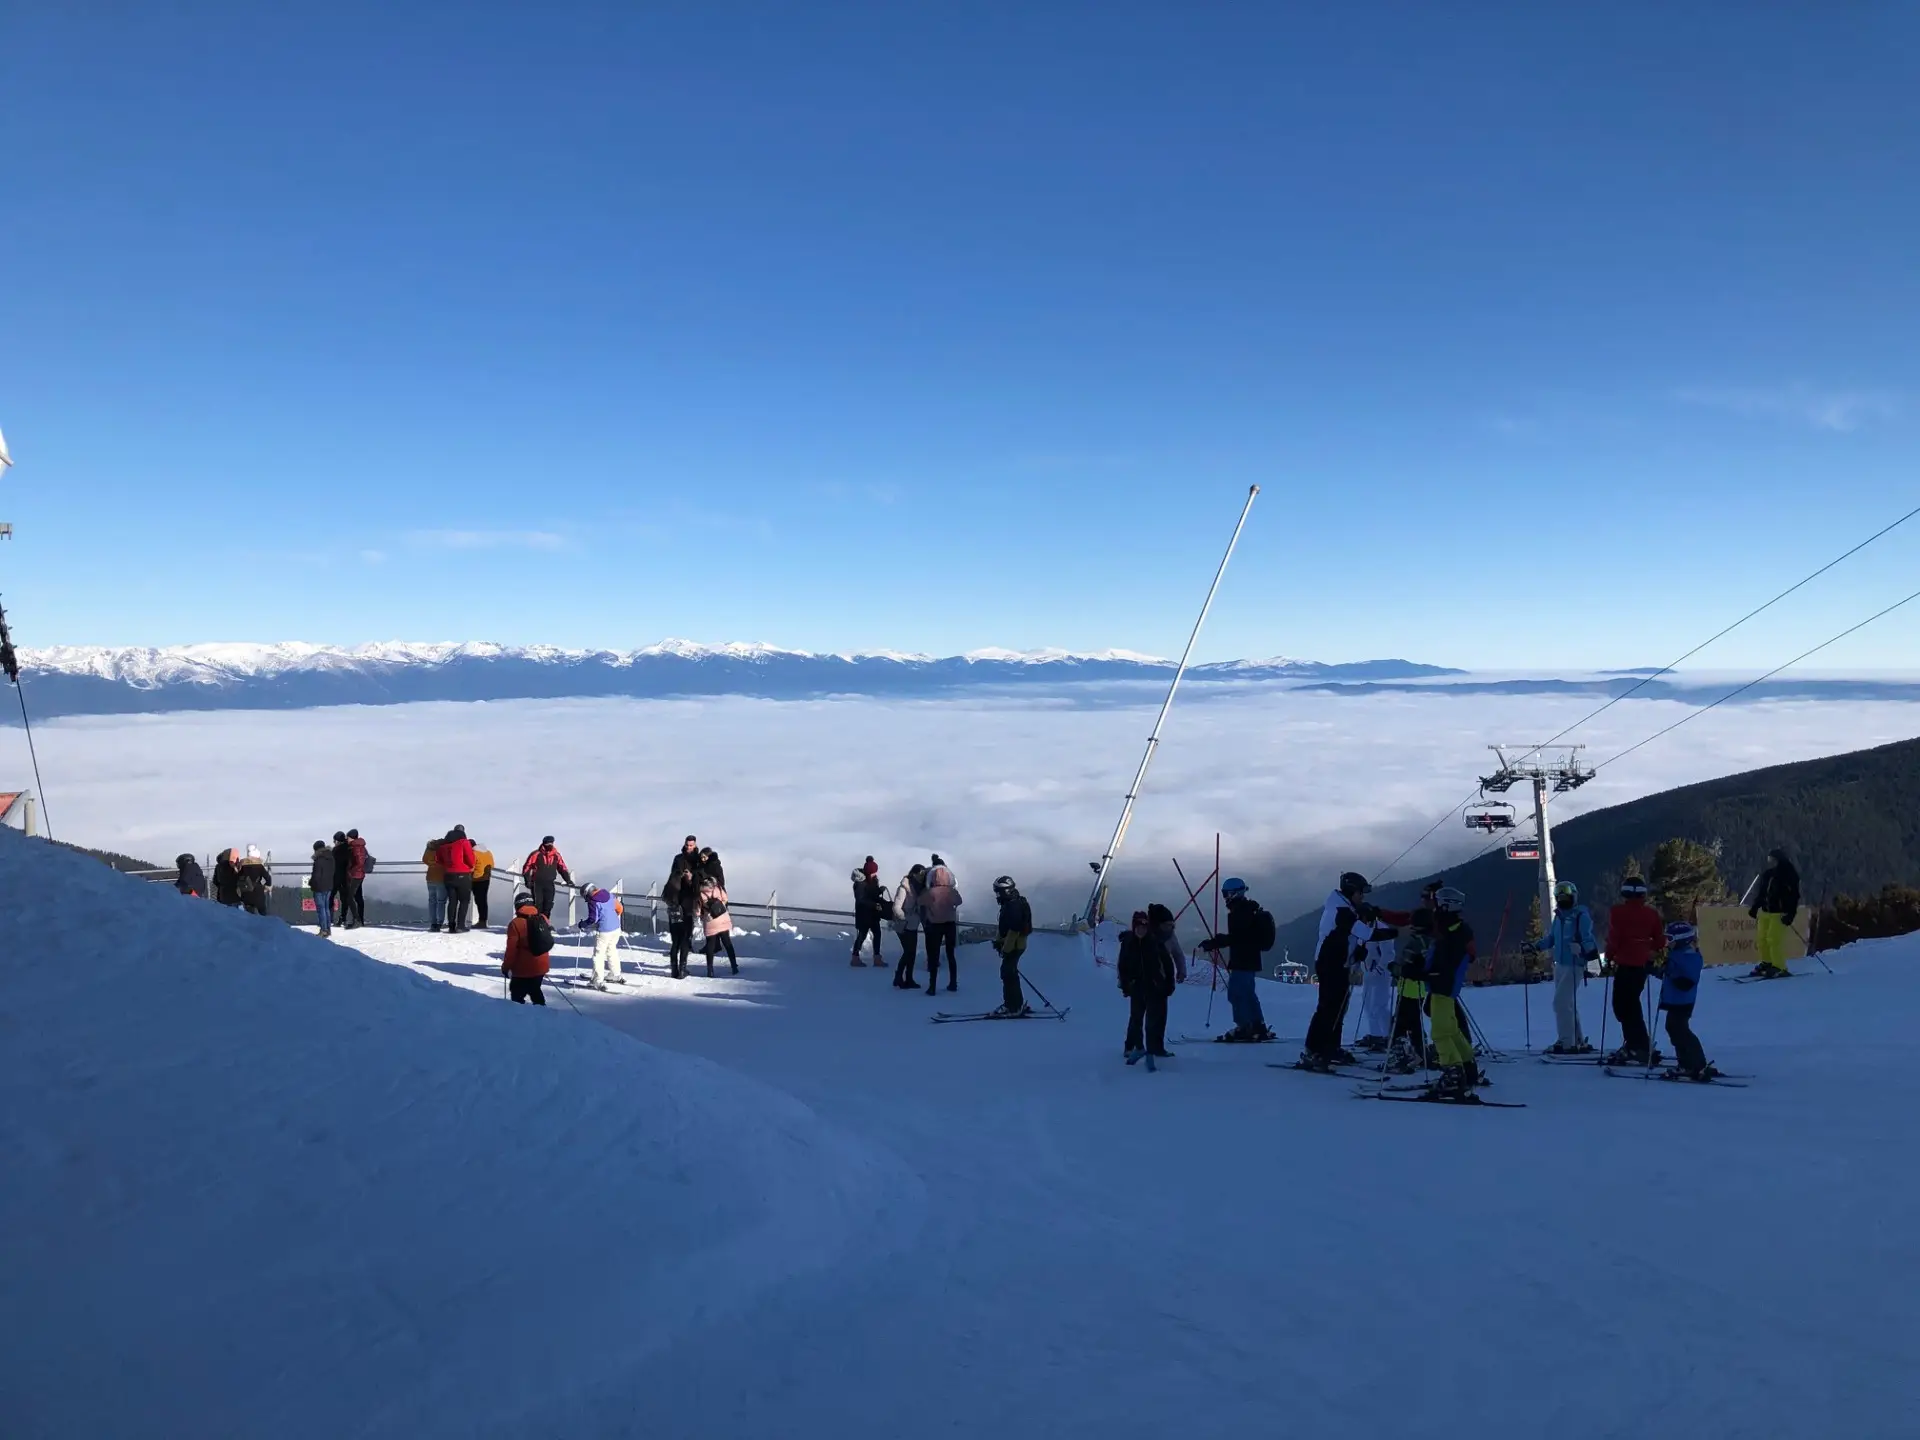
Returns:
(519, 962)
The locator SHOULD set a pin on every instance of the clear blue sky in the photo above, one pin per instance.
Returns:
(1555, 335)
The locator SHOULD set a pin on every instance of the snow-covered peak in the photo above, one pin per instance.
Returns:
(1056, 657)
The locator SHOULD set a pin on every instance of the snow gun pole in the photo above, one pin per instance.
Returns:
(1813, 929)
(1153, 740)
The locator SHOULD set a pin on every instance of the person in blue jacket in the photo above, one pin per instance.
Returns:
(604, 924)
(1679, 992)
(1571, 942)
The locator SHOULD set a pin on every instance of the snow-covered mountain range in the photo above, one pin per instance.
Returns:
(98, 680)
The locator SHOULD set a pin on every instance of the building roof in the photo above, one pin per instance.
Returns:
(8, 799)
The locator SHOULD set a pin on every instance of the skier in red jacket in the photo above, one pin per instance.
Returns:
(456, 866)
(1635, 934)
(541, 869)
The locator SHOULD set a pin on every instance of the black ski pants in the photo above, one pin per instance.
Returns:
(679, 944)
(1323, 1033)
(714, 942)
(526, 990)
(942, 933)
(909, 948)
(1010, 982)
(542, 896)
(459, 895)
(1687, 1053)
(480, 888)
(353, 904)
(862, 929)
(1629, 985)
(1147, 1023)
(1406, 1022)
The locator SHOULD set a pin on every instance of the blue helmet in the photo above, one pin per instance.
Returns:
(1233, 885)
(1681, 933)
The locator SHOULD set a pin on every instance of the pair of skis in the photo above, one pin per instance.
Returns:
(1719, 1077)
(941, 1017)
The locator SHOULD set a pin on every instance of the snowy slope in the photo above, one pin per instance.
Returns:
(278, 1188)
(260, 1185)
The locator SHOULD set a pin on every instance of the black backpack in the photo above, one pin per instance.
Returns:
(539, 934)
(1264, 930)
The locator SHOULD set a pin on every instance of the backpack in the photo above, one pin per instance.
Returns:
(539, 934)
(370, 863)
(1265, 930)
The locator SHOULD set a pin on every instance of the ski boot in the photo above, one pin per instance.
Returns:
(1310, 1061)
(1453, 1083)
(1261, 1033)
(1235, 1036)
(1402, 1061)
(1345, 1057)
(1765, 971)
(1374, 1043)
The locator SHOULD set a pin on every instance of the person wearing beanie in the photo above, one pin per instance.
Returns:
(320, 882)
(541, 870)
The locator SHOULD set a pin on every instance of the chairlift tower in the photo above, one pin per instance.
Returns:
(1554, 770)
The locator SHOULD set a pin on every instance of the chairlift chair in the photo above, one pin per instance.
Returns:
(1490, 815)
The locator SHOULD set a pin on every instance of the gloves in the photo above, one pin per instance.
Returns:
(1787, 919)
(1396, 969)
(1355, 974)
(1754, 913)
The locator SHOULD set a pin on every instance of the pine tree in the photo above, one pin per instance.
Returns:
(1685, 876)
(1631, 870)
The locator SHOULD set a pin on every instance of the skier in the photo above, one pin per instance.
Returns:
(529, 942)
(541, 869)
(226, 877)
(1332, 967)
(358, 869)
(320, 882)
(436, 885)
(906, 924)
(1376, 993)
(603, 923)
(868, 900)
(256, 882)
(1160, 920)
(1016, 924)
(1250, 934)
(1634, 937)
(1570, 941)
(1446, 972)
(482, 882)
(940, 921)
(1147, 980)
(189, 878)
(456, 864)
(1679, 992)
(1776, 900)
(716, 923)
(681, 896)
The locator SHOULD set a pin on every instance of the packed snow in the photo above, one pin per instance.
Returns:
(260, 1183)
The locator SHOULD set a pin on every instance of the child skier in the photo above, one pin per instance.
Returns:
(1016, 924)
(1250, 934)
(1569, 939)
(1679, 991)
(1634, 937)
(604, 924)
(1446, 971)
(1376, 991)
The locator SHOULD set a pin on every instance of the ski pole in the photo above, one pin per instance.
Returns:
(1606, 1004)
(1026, 980)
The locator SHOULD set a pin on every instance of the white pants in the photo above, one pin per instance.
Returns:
(1567, 980)
(1376, 1003)
(606, 955)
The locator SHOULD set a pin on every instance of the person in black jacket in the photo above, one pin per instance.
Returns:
(681, 896)
(1776, 900)
(1250, 934)
(320, 882)
(1146, 979)
(190, 879)
(256, 882)
(867, 905)
(1016, 925)
(342, 864)
(226, 878)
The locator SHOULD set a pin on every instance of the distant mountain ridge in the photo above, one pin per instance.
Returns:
(100, 680)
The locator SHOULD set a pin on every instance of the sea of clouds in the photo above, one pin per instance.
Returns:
(796, 793)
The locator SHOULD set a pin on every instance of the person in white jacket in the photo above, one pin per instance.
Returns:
(940, 923)
(906, 924)
(1570, 940)
(1376, 991)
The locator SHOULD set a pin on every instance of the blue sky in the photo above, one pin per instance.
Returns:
(1555, 335)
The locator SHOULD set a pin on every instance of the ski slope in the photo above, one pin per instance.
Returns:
(276, 1186)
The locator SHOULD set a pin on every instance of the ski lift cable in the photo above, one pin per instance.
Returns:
(1461, 804)
(1680, 660)
(1741, 690)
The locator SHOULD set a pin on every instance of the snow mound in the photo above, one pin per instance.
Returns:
(261, 1184)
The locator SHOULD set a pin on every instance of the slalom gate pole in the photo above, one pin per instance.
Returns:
(1105, 862)
(1813, 929)
(1526, 998)
(1193, 899)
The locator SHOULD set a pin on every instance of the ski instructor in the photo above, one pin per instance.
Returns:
(1333, 959)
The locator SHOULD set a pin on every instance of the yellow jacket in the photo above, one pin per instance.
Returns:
(435, 875)
(482, 865)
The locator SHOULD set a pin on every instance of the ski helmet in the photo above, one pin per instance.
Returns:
(1633, 885)
(1566, 890)
(1681, 933)
(1353, 885)
(1004, 886)
(1448, 898)
(1233, 885)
